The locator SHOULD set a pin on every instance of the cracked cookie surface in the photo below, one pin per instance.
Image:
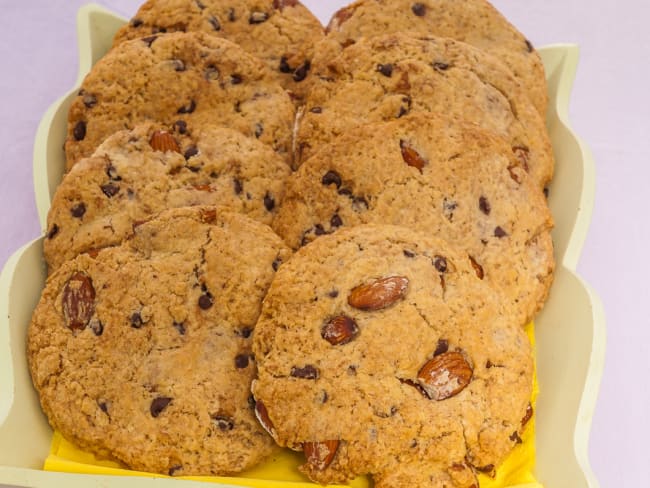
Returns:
(475, 22)
(437, 175)
(189, 77)
(387, 77)
(135, 174)
(280, 32)
(142, 354)
(379, 351)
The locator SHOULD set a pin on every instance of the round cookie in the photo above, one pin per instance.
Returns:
(475, 22)
(135, 174)
(193, 78)
(379, 351)
(387, 77)
(280, 32)
(142, 353)
(437, 175)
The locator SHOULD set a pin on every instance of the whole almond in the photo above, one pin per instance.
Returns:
(378, 294)
(161, 140)
(339, 330)
(78, 301)
(411, 156)
(320, 454)
(445, 375)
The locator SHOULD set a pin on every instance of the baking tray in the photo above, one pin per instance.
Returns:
(570, 330)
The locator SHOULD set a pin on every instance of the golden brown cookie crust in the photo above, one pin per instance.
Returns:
(135, 174)
(193, 78)
(432, 380)
(142, 353)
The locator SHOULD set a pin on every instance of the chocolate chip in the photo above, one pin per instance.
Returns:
(245, 332)
(419, 9)
(529, 46)
(103, 406)
(90, 100)
(191, 152)
(206, 301)
(359, 204)
(409, 254)
(258, 17)
(276, 263)
(331, 177)
(323, 397)
(79, 131)
(214, 22)
(352, 370)
(96, 326)
(385, 69)
(488, 468)
(528, 415)
(440, 66)
(440, 264)
(78, 210)
(223, 423)
(301, 72)
(442, 347)
(333, 294)
(515, 437)
(235, 79)
(284, 65)
(241, 361)
(269, 202)
(211, 73)
(237, 185)
(135, 22)
(448, 208)
(149, 40)
(316, 110)
(251, 401)
(546, 192)
(180, 126)
(111, 172)
(336, 221)
(405, 107)
(136, 320)
(174, 469)
(259, 129)
(110, 189)
(231, 15)
(199, 4)
(180, 327)
(345, 191)
(179, 65)
(158, 405)
(308, 372)
(499, 232)
(188, 109)
(54, 230)
(484, 205)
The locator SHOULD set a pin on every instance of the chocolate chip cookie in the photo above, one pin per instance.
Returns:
(188, 78)
(280, 32)
(441, 176)
(135, 174)
(380, 351)
(142, 353)
(475, 22)
(387, 77)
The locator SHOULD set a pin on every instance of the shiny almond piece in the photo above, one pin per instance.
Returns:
(339, 330)
(320, 454)
(411, 156)
(378, 294)
(262, 415)
(161, 140)
(78, 301)
(528, 415)
(445, 375)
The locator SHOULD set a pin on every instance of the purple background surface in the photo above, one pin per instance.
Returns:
(610, 110)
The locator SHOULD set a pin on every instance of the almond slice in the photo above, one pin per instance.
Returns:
(161, 140)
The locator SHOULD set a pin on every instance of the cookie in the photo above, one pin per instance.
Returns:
(193, 78)
(280, 32)
(475, 22)
(135, 174)
(379, 351)
(440, 176)
(387, 77)
(142, 354)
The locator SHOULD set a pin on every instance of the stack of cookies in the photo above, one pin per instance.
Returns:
(328, 240)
